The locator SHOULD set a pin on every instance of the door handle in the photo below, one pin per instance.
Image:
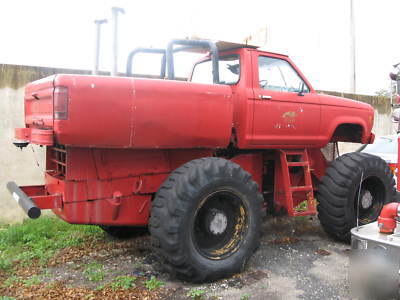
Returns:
(265, 97)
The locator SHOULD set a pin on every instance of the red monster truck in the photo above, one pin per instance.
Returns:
(199, 161)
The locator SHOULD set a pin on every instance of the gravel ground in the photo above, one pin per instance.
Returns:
(296, 260)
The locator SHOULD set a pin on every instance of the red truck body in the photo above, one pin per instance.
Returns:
(111, 141)
(199, 161)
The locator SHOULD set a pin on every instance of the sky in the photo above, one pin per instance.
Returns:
(314, 33)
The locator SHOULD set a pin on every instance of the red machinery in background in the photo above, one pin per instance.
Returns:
(375, 262)
(387, 220)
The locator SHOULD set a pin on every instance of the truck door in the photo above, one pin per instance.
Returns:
(286, 109)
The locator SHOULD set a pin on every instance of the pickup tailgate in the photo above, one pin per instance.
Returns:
(38, 113)
(39, 103)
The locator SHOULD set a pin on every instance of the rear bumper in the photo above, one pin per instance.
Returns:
(33, 199)
(35, 136)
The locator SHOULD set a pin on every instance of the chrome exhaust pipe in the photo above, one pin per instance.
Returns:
(26, 203)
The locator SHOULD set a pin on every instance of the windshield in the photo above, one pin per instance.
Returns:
(229, 70)
(382, 145)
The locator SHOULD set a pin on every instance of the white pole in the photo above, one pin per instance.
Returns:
(352, 50)
(97, 46)
(115, 11)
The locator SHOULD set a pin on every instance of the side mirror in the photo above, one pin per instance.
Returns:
(396, 115)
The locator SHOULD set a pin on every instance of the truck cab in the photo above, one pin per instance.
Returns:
(276, 106)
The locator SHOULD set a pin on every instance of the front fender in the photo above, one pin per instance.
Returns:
(360, 118)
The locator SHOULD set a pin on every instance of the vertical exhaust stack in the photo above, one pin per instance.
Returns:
(97, 47)
(114, 20)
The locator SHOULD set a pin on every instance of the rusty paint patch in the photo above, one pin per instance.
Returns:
(233, 245)
(282, 126)
(289, 116)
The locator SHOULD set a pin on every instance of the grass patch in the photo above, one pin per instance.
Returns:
(10, 281)
(94, 272)
(100, 287)
(302, 206)
(123, 282)
(153, 283)
(38, 240)
(33, 280)
(245, 296)
(196, 294)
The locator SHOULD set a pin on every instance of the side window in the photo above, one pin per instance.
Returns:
(278, 75)
(229, 70)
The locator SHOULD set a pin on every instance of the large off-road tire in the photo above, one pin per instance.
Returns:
(123, 232)
(339, 191)
(206, 219)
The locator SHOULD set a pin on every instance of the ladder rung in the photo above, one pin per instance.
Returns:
(305, 188)
(293, 152)
(304, 213)
(298, 164)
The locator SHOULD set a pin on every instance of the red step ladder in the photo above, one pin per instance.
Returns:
(286, 160)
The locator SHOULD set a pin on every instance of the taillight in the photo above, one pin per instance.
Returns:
(60, 103)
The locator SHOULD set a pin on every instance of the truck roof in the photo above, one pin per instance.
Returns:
(225, 46)
(222, 46)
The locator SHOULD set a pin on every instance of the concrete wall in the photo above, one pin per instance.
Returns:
(22, 167)
(382, 121)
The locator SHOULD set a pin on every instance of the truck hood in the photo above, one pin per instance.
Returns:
(343, 102)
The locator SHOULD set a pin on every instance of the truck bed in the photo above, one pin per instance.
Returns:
(121, 112)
